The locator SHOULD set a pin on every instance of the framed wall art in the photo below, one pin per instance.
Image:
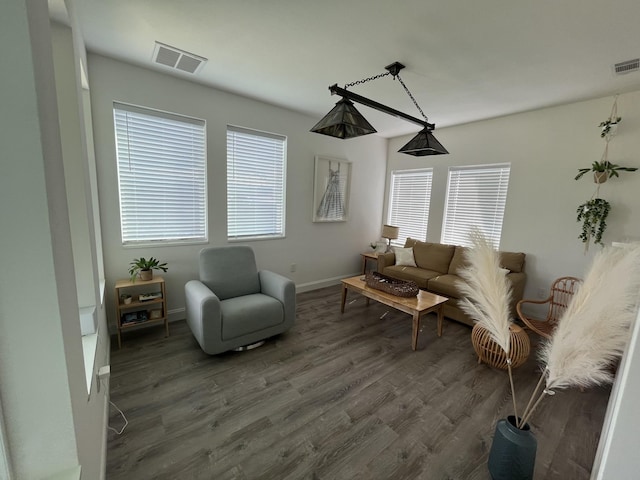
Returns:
(331, 181)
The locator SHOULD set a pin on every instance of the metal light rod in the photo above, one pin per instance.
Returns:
(354, 97)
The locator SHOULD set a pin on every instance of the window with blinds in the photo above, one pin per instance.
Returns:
(161, 161)
(256, 163)
(409, 199)
(476, 197)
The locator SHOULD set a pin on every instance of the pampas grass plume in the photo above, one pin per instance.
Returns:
(594, 329)
(486, 290)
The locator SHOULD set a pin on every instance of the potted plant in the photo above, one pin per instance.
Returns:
(144, 268)
(593, 215)
(604, 170)
(590, 336)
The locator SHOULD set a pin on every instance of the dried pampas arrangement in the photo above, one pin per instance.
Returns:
(487, 296)
(594, 330)
(591, 334)
(487, 290)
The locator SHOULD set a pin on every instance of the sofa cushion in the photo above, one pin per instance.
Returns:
(415, 274)
(404, 256)
(431, 256)
(513, 261)
(459, 261)
(446, 285)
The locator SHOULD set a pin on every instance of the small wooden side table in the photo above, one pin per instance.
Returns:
(140, 310)
(368, 256)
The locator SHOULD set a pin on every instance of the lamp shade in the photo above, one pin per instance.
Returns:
(424, 143)
(343, 121)
(390, 232)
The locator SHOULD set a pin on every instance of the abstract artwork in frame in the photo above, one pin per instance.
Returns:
(331, 189)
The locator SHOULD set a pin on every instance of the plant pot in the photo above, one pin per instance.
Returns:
(126, 299)
(600, 177)
(146, 274)
(513, 451)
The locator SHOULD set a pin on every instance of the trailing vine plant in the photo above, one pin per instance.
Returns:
(593, 215)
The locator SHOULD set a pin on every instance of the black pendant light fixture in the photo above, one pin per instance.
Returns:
(424, 143)
(345, 121)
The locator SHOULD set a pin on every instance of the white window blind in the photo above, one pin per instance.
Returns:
(476, 197)
(409, 200)
(161, 175)
(256, 163)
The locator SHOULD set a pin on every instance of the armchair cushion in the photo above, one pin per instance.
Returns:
(229, 272)
(249, 313)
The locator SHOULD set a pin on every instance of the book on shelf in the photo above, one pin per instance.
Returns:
(149, 296)
(134, 317)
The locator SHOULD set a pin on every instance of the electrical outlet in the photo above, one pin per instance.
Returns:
(542, 293)
(103, 374)
(293, 267)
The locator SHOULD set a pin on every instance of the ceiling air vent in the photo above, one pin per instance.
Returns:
(177, 59)
(627, 67)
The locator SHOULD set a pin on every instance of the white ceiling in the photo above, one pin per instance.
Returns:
(466, 59)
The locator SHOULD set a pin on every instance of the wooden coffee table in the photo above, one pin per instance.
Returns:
(417, 306)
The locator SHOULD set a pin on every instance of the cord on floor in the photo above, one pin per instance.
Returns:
(126, 422)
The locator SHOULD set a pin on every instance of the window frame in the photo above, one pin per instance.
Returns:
(199, 154)
(494, 235)
(392, 218)
(262, 136)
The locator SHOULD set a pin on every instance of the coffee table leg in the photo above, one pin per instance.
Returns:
(416, 330)
(344, 298)
(440, 319)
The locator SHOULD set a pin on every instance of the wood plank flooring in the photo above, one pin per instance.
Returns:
(336, 397)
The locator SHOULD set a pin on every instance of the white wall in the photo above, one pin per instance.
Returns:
(545, 148)
(37, 285)
(321, 251)
(52, 423)
(89, 408)
(617, 457)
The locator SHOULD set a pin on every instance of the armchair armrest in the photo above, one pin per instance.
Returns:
(541, 327)
(281, 288)
(202, 303)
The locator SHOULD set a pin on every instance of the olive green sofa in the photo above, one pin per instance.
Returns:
(438, 266)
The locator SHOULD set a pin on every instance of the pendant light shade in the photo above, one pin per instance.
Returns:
(424, 143)
(343, 121)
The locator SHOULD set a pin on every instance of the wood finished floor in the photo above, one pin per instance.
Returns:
(337, 397)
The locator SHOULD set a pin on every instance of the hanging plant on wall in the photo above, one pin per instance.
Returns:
(593, 215)
(604, 169)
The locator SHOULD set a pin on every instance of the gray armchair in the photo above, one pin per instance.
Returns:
(233, 304)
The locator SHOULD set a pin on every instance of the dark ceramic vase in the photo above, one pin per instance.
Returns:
(513, 452)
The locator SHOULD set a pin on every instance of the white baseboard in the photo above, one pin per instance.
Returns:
(327, 282)
(176, 314)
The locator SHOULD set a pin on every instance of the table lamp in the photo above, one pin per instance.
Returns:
(390, 233)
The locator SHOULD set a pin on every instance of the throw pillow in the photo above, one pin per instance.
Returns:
(505, 271)
(404, 256)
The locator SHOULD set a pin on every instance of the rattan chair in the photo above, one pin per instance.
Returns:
(562, 291)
